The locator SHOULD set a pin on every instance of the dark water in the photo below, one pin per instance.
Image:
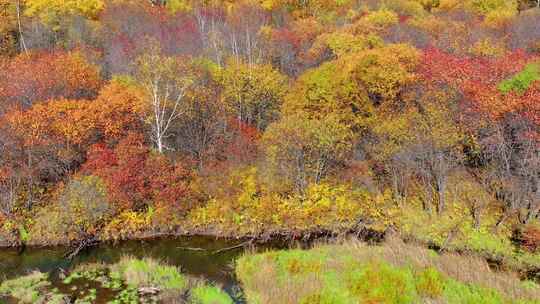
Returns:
(195, 256)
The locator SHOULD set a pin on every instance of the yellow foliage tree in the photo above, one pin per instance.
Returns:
(484, 7)
(384, 72)
(8, 27)
(329, 90)
(253, 93)
(51, 11)
(342, 43)
(303, 149)
(175, 6)
(376, 21)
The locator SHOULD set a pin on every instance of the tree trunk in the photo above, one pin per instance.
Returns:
(23, 44)
(300, 172)
(441, 187)
(159, 144)
(475, 212)
(506, 214)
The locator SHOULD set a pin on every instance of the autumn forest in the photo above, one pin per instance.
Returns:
(128, 119)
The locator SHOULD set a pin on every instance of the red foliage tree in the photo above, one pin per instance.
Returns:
(505, 123)
(242, 144)
(136, 177)
(42, 144)
(478, 80)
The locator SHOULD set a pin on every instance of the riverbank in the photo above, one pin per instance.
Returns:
(527, 265)
(337, 272)
(326, 213)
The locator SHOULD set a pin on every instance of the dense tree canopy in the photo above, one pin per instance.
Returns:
(120, 117)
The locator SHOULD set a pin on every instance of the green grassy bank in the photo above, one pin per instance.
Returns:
(394, 272)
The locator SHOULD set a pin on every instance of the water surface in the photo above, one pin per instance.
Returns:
(198, 256)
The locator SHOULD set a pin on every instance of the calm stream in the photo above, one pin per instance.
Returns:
(194, 255)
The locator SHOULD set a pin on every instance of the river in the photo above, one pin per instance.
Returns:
(195, 255)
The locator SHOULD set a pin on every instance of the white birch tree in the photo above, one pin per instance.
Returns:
(166, 81)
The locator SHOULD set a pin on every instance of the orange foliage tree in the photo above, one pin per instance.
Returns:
(49, 139)
(26, 79)
(81, 122)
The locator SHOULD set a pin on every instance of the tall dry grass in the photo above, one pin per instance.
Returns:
(271, 277)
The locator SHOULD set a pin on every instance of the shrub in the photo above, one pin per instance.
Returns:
(85, 203)
(126, 224)
(530, 237)
(254, 210)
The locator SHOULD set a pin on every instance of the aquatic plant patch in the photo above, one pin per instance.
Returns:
(129, 281)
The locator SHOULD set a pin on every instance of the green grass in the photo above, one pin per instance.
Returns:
(136, 273)
(379, 282)
(206, 294)
(149, 273)
(26, 289)
(394, 273)
(458, 293)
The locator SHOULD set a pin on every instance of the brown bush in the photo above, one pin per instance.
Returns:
(530, 238)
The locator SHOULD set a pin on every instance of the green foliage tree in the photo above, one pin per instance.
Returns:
(520, 82)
